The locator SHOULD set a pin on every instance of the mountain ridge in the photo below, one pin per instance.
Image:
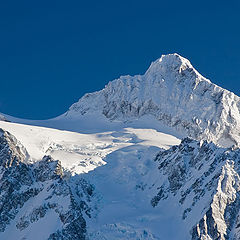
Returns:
(174, 93)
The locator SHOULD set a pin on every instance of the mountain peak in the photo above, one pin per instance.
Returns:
(174, 93)
(170, 62)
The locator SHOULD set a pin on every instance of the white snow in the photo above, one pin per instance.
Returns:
(175, 94)
(121, 155)
(111, 137)
(82, 152)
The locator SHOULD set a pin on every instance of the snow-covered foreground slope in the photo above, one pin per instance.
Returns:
(128, 155)
(135, 189)
(36, 200)
(114, 167)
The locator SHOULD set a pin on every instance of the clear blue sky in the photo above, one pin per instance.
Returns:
(52, 52)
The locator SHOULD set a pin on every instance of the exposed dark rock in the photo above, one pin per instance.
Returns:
(21, 183)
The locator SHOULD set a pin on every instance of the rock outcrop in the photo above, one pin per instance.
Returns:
(205, 182)
(30, 192)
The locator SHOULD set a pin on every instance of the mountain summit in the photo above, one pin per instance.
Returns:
(174, 93)
(171, 62)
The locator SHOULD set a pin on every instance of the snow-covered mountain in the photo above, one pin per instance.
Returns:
(114, 165)
(174, 93)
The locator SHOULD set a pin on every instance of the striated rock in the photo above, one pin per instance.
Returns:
(11, 150)
(205, 180)
(41, 189)
(48, 169)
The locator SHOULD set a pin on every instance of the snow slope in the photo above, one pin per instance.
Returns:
(128, 155)
(79, 152)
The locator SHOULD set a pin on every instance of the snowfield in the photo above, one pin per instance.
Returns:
(82, 152)
(116, 162)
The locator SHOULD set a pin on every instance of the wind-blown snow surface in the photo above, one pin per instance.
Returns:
(80, 152)
(122, 176)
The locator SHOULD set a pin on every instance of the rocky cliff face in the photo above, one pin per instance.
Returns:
(32, 192)
(204, 181)
(174, 93)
